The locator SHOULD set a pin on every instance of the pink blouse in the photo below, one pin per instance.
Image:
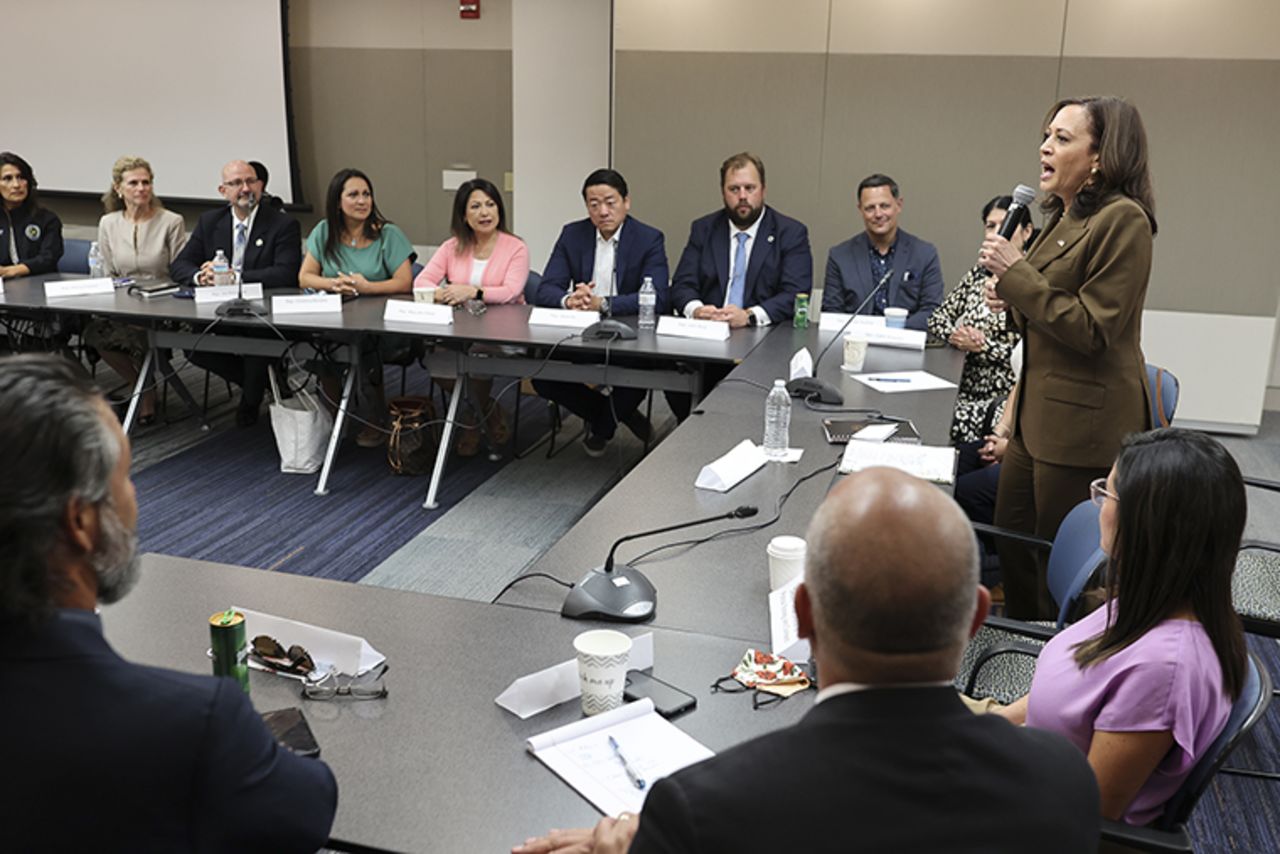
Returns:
(504, 276)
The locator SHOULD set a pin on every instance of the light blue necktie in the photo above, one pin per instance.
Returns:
(237, 253)
(737, 283)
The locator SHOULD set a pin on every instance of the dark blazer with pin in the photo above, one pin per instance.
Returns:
(881, 769)
(106, 754)
(272, 256)
(1077, 299)
(641, 252)
(916, 283)
(780, 266)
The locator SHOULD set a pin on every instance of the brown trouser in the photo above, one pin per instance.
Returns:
(1033, 498)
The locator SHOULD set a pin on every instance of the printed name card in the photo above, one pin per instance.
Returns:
(307, 304)
(684, 327)
(403, 311)
(223, 293)
(833, 321)
(78, 288)
(562, 317)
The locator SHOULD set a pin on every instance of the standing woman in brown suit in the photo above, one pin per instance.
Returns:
(1077, 298)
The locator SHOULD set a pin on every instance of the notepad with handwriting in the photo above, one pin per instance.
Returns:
(580, 754)
(928, 462)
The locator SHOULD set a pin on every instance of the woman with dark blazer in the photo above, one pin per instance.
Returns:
(1077, 298)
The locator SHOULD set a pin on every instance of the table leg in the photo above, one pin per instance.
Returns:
(148, 362)
(164, 363)
(322, 488)
(446, 441)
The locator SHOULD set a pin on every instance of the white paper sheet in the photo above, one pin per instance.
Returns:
(932, 463)
(876, 432)
(784, 630)
(894, 382)
(551, 686)
(580, 754)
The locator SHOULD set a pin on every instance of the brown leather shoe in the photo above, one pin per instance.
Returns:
(468, 442)
(496, 426)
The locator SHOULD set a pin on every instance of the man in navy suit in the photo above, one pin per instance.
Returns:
(746, 262)
(102, 753)
(599, 264)
(263, 245)
(907, 265)
(889, 758)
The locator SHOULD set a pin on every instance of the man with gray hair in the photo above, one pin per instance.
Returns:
(101, 752)
(889, 758)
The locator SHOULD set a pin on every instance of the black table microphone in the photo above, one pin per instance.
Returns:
(810, 387)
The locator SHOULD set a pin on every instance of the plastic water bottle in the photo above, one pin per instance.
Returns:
(777, 421)
(222, 269)
(648, 304)
(97, 269)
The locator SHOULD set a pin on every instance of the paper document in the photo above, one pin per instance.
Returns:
(928, 462)
(784, 629)
(581, 755)
(551, 686)
(892, 382)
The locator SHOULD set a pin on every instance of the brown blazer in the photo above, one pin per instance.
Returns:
(1077, 298)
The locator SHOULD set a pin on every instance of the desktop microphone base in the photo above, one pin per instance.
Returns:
(240, 308)
(812, 388)
(621, 596)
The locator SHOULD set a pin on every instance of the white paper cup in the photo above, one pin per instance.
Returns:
(786, 559)
(855, 351)
(602, 668)
(895, 318)
(424, 294)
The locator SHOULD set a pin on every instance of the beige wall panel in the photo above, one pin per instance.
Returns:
(947, 27)
(725, 26)
(1213, 150)
(931, 124)
(421, 24)
(676, 123)
(467, 127)
(339, 125)
(1187, 29)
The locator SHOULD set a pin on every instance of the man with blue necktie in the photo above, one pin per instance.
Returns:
(263, 245)
(745, 263)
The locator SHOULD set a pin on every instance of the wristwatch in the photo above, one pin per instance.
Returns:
(606, 307)
(479, 294)
(752, 320)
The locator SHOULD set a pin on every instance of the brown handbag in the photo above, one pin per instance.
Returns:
(415, 435)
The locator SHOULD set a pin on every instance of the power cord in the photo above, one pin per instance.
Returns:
(513, 582)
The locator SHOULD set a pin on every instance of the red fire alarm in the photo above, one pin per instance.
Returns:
(469, 10)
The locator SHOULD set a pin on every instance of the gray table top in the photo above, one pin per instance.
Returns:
(500, 324)
(721, 587)
(437, 765)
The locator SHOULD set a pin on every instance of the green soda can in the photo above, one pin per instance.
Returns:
(230, 650)
(801, 318)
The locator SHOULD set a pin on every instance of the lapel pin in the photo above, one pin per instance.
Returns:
(770, 238)
(1060, 242)
(258, 242)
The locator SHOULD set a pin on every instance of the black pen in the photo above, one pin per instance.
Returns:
(889, 379)
(632, 773)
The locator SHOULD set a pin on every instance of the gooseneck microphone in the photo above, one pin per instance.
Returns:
(811, 387)
(621, 593)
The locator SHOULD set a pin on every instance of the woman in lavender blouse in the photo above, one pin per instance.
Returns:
(1144, 684)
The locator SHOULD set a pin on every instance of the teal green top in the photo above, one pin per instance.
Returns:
(376, 262)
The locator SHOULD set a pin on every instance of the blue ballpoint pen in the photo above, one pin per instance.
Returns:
(636, 779)
(889, 379)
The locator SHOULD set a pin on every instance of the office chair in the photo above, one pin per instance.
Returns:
(1074, 557)
(75, 256)
(1169, 832)
(1164, 388)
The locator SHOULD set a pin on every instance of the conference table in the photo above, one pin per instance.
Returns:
(512, 346)
(721, 587)
(436, 765)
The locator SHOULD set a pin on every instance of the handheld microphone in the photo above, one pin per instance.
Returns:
(1017, 214)
(621, 593)
(807, 387)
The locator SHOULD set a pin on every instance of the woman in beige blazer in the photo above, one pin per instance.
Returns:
(1077, 297)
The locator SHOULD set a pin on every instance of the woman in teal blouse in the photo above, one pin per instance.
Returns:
(355, 250)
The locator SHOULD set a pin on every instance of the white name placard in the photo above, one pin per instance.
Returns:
(833, 321)
(223, 293)
(562, 317)
(78, 288)
(684, 327)
(403, 311)
(307, 304)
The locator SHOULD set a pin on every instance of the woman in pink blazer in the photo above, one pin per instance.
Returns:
(485, 261)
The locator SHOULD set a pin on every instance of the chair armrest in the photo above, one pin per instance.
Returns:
(994, 531)
(1261, 545)
(1147, 838)
(1018, 627)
